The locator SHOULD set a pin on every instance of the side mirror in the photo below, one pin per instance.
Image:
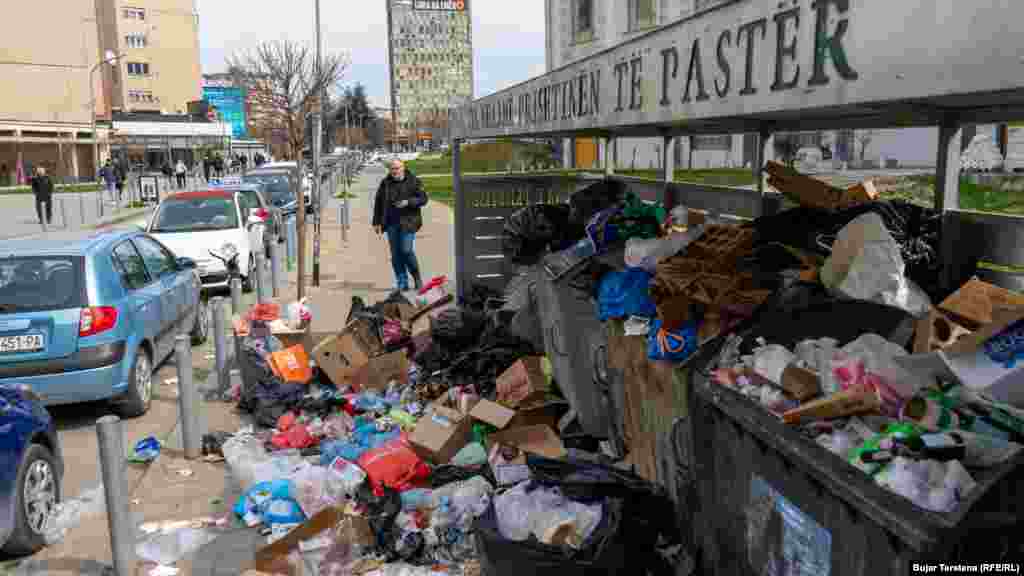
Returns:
(186, 263)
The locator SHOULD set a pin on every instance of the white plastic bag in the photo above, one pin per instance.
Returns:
(646, 253)
(866, 265)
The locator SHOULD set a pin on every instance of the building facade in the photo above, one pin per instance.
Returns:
(431, 63)
(159, 40)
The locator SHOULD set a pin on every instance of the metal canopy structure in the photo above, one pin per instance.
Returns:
(759, 66)
(751, 65)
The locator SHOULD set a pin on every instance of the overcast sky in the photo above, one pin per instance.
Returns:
(508, 37)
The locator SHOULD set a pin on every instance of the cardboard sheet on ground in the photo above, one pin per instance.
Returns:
(539, 440)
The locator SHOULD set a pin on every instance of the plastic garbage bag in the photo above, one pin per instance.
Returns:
(646, 253)
(394, 465)
(145, 451)
(866, 264)
(473, 454)
(69, 513)
(250, 463)
(673, 345)
(935, 486)
(869, 360)
(625, 293)
(317, 487)
(170, 547)
(350, 475)
(271, 503)
(546, 514)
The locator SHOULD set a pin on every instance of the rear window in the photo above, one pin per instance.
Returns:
(36, 283)
(193, 214)
(278, 187)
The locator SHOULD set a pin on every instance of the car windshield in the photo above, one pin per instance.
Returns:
(196, 214)
(276, 185)
(29, 284)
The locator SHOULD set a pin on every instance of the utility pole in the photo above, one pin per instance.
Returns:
(317, 140)
(391, 78)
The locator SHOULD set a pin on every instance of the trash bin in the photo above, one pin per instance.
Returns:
(149, 189)
(575, 341)
(771, 501)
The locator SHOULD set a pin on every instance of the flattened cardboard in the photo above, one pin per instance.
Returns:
(539, 440)
(544, 412)
(976, 301)
(936, 331)
(492, 413)
(273, 557)
(379, 371)
(440, 434)
(524, 382)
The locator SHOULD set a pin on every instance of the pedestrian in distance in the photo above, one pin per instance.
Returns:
(168, 173)
(42, 189)
(119, 178)
(396, 212)
(109, 179)
(180, 171)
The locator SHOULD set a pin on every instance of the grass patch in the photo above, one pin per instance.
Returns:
(920, 189)
(486, 157)
(714, 176)
(59, 188)
(440, 189)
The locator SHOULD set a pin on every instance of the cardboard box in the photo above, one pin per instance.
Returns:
(990, 360)
(525, 381)
(539, 440)
(492, 413)
(333, 522)
(544, 412)
(936, 331)
(379, 371)
(440, 434)
(800, 383)
(340, 357)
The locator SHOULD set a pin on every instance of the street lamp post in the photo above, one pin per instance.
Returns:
(317, 139)
(110, 58)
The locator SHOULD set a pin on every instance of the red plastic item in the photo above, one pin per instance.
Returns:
(435, 282)
(285, 421)
(297, 436)
(394, 465)
(266, 312)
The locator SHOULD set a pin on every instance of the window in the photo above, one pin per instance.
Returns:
(641, 15)
(138, 68)
(134, 13)
(159, 261)
(583, 20)
(140, 96)
(135, 40)
(130, 266)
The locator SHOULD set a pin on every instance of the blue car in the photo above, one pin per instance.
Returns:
(87, 316)
(31, 468)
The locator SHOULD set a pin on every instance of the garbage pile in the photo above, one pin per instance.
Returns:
(423, 439)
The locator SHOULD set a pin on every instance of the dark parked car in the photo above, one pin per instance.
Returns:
(31, 468)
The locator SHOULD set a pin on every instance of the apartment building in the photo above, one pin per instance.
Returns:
(431, 62)
(159, 42)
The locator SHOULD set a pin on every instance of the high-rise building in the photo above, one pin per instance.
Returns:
(159, 39)
(431, 61)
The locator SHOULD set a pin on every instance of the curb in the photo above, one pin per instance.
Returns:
(120, 218)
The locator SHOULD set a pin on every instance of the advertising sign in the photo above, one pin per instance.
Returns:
(440, 5)
(230, 104)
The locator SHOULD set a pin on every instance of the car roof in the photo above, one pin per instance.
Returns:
(280, 165)
(243, 187)
(211, 193)
(79, 243)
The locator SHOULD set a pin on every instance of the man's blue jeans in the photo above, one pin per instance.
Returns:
(403, 258)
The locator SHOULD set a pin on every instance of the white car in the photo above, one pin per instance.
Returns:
(307, 182)
(193, 223)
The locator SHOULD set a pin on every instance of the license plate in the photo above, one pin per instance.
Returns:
(25, 343)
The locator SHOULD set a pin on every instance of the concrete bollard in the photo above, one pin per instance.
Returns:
(220, 346)
(110, 436)
(188, 405)
(236, 295)
(261, 280)
(275, 269)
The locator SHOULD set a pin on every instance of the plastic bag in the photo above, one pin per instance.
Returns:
(292, 364)
(868, 360)
(394, 465)
(350, 475)
(625, 293)
(866, 264)
(646, 253)
(250, 463)
(545, 514)
(316, 488)
(297, 314)
(168, 548)
(672, 345)
(271, 503)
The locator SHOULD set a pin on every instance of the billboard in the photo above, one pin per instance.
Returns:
(230, 104)
(443, 5)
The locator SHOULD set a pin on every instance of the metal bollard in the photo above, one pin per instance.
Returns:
(63, 214)
(220, 346)
(291, 240)
(275, 269)
(261, 284)
(236, 296)
(81, 207)
(110, 436)
(341, 221)
(188, 405)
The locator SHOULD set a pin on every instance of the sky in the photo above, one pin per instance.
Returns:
(508, 37)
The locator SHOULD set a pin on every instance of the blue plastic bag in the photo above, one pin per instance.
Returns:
(146, 450)
(272, 502)
(671, 345)
(625, 293)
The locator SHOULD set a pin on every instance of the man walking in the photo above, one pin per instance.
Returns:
(42, 189)
(396, 212)
(109, 179)
(181, 171)
(119, 176)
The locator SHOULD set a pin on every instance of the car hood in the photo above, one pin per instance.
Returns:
(197, 245)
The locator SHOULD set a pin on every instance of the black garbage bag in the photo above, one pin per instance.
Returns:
(534, 230)
(591, 200)
(264, 394)
(460, 327)
(636, 531)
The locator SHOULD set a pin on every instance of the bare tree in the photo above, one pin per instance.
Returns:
(282, 82)
(863, 138)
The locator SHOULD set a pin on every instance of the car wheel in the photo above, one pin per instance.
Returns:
(140, 387)
(248, 280)
(201, 330)
(37, 492)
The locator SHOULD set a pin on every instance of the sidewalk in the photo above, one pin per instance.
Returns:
(362, 265)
